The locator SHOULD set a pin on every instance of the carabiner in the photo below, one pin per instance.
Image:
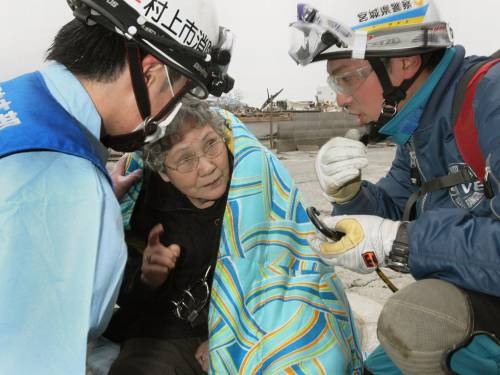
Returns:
(314, 214)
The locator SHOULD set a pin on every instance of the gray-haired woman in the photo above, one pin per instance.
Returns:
(173, 241)
(268, 281)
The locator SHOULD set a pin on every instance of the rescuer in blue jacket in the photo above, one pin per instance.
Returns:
(394, 66)
(118, 72)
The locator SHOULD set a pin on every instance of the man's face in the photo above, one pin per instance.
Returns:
(125, 116)
(358, 88)
(167, 89)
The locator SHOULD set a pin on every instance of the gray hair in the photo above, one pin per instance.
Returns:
(193, 112)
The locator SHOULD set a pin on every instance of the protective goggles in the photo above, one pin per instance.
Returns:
(313, 33)
(315, 36)
(348, 82)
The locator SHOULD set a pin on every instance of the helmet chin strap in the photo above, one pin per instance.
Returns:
(132, 141)
(393, 95)
(134, 57)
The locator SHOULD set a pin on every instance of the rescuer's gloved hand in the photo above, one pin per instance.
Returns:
(363, 234)
(338, 168)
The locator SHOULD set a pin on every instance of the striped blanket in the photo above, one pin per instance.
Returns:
(275, 307)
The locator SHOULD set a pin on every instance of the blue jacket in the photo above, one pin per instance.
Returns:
(61, 238)
(456, 235)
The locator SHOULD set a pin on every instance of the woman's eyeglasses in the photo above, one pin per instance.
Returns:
(190, 161)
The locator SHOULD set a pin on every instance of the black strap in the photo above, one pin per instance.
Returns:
(141, 94)
(132, 141)
(415, 176)
(392, 96)
(391, 93)
(463, 176)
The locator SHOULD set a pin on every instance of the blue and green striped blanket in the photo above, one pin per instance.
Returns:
(275, 307)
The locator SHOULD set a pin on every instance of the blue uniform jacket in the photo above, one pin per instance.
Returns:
(61, 237)
(456, 235)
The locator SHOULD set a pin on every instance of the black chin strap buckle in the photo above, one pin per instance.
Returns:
(389, 110)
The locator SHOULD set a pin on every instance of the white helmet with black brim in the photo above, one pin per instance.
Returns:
(182, 34)
(368, 28)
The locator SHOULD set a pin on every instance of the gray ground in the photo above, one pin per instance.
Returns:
(367, 293)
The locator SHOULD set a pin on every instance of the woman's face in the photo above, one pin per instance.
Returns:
(203, 151)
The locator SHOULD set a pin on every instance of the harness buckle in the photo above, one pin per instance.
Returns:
(389, 110)
(468, 174)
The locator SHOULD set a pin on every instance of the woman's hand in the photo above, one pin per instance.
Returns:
(201, 355)
(121, 182)
(158, 260)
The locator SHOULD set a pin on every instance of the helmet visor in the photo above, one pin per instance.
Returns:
(313, 33)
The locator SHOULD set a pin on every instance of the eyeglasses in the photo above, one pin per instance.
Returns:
(348, 82)
(189, 162)
(193, 299)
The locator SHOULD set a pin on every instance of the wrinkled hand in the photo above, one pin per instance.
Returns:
(363, 233)
(122, 183)
(158, 260)
(338, 168)
(201, 355)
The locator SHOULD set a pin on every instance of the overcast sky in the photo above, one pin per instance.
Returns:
(260, 58)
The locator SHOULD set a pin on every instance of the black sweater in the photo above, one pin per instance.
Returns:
(146, 312)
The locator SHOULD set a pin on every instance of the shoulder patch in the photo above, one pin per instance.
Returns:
(467, 195)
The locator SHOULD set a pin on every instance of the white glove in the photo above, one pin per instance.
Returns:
(338, 168)
(363, 234)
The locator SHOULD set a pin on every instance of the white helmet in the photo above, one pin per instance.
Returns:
(367, 28)
(182, 34)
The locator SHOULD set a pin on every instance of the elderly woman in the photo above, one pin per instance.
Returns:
(216, 221)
